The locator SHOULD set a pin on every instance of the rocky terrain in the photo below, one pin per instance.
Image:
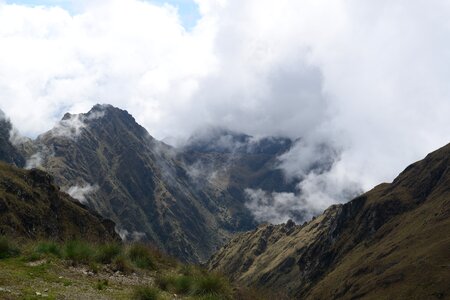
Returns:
(389, 243)
(186, 201)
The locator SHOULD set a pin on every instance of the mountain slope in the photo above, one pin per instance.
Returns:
(108, 161)
(8, 153)
(391, 242)
(32, 207)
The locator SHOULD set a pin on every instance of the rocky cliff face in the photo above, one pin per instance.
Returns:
(149, 189)
(391, 241)
(33, 207)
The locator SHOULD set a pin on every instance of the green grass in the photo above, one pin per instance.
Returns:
(49, 271)
(101, 284)
(211, 285)
(142, 256)
(108, 252)
(79, 252)
(146, 293)
(183, 284)
(122, 264)
(207, 286)
(44, 249)
(7, 248)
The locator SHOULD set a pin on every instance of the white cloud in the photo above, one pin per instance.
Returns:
(369, 78)
(80, 192)
(125, 235)
(71, 125)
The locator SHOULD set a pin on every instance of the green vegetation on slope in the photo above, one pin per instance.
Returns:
(80, 270)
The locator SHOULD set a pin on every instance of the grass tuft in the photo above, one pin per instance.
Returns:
(7, 248)
(211, 285)
(146, 293)
(107, 253)
(122, 264)
(51, 248)
(101, 284)
(183, 284)
(141, 256)
(79, 252)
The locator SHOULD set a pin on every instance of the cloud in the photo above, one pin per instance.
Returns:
(277, 208)
(81, 192)
(134, 236)
(72, 124)
(35, 161)
(368, 79)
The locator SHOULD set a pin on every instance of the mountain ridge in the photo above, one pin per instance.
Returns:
(150, 189)
(389, 241)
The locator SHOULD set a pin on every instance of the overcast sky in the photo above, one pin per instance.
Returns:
(371, 78)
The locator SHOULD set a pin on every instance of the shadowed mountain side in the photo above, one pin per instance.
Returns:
(31, 206)
(391, 242)
(8, 153)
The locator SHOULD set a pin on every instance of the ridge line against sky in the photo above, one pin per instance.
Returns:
(367, 78)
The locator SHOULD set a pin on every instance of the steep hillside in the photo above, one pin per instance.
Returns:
(8, 153)
(32, 207)
(151, 190)
(391, 242)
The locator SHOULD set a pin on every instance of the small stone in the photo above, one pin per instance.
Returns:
(38, 294)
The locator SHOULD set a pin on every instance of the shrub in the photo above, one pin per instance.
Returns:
(205, 285)
(101, 284)
(164, 282)
(211, 285)
(191, 270)
(145, 293)
(48, 248)
(106, 253)
(7, 248)
(79, 252)
(122, 264)
(183, 284)
(141, 256)
(94, 267)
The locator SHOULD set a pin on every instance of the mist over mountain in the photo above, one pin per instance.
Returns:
(188, 201)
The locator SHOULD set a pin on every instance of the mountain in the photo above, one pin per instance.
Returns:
(151, 190)
(389, 243)
(33, 207)
(236, 162)
(8, 153)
